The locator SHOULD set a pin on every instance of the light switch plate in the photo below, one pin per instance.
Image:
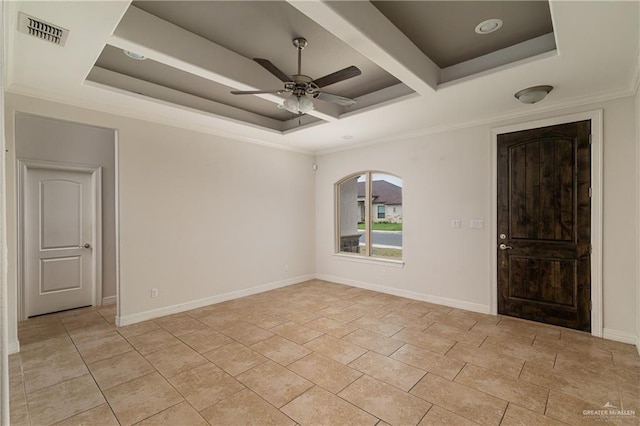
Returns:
(456, 223)
(477, 224)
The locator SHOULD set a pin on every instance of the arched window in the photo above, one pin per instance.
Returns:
(369, 215)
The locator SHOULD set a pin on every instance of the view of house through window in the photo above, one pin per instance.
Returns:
(369, 215)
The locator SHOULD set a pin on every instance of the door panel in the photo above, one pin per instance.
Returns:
(58, 221)
(544, 215)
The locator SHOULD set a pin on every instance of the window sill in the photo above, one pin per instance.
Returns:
(370, 260)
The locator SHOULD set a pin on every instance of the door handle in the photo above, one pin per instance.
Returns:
(87, 246)
(505, 247)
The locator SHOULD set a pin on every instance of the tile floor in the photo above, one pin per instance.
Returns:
(317, 353)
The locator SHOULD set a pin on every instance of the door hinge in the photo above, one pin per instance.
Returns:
(590, 305)
(590, 138)
(590, 248)
(590, 192)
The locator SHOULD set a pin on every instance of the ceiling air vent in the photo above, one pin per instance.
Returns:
(41, 29)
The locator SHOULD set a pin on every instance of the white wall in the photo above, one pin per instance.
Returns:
(172, 234)
(447, 176)
(40, 138)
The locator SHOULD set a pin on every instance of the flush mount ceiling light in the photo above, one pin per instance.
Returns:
(489, 26)
(534, 94)
(134, 55)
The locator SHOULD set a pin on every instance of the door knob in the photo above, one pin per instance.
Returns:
(505, 247)
(87, 245)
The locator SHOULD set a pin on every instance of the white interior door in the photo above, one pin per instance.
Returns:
(59, 237)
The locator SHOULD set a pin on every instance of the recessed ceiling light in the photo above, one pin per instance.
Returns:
(134, 55)
(347, 137)
(489, 26)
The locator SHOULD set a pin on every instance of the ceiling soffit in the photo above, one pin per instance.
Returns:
(198, 51)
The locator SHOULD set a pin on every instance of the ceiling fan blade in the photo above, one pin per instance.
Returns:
(340, 100)
(338, 76)
(266, 64)
(255, 92)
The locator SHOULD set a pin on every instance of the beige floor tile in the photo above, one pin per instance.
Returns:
(96, 350)
(569, 409)
(140, 398)
(340, 314)
(295, 332)
(61, 401)
(119, 369)
(39, 333)
(438, 416)
(274, 383)
(319, 407)
(220, 321)
(264, 320)
(175, 360)
(98, 416)
(205, 385)
(589, 388)
(326, 372)
(205, 340)
(408, 320)
(453, 333)
(520, 392)
(181, 325)
(330, 326)
(85, 319)
(521, 351)
(245, 408)
(180, 414)
(520, 326)
(58, 369)
(297, 315)
(153, 341)
(385, 402)
(429, 361)
(84, 335)
(246, 333)
(426, 341)
(504, 333)
(518, 416)
(375, 325)
(336, 349)
(235, 358)
(388, 370)
(457, 321)
(18, 410)
(136, 329)
(488, 359)
(43, 351)
(373, 342)
(280, 350)
(462, 400)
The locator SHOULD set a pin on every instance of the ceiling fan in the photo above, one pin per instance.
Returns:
(302, 87)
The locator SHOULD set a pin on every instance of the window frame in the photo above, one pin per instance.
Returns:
(368, 206)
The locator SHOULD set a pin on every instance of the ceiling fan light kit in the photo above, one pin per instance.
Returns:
(533, 94)
(303, 88)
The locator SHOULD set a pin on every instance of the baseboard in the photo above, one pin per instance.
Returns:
(453, 303)
(195, 304)
(619, 336)
(109, 300)
(13, 347)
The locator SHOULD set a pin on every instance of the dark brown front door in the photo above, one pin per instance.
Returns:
(544, 225)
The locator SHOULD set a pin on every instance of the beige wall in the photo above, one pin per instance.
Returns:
(448, 176)
(40, 138)
(173, 235)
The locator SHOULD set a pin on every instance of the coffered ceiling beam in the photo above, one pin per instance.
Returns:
(367, 30)
(161, 41)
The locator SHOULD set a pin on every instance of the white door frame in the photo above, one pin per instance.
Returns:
(596, 207)
(96, 179)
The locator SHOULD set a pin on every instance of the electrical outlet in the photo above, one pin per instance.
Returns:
(286, 268)
(154, 292)
(456, 223)
(384, 272)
